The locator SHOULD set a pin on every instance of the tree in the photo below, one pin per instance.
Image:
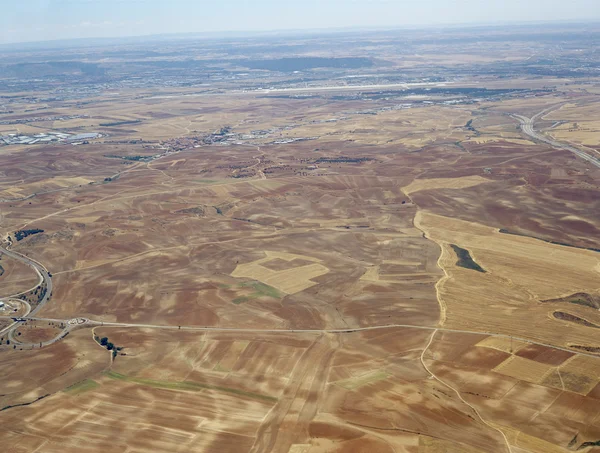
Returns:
(110, 346)
(104, 341)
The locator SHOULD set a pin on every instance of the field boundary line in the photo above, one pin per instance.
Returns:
(458, 393)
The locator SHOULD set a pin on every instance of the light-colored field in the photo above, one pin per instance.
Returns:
(484, 139)
(359, 381)
(289, 281)
(521, 271)
(502, 344)
(444, 183)
(524, 369)
(580, 124)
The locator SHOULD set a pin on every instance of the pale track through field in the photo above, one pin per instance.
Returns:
(115, 197)
(279, 233)
(422, 358)
(344, 330)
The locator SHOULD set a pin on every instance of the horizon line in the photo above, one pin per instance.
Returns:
(221, 34)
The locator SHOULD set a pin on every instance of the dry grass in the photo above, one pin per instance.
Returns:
(443, 183)
(524, 369)
(289, 281)
(520, 272)
(502, 344)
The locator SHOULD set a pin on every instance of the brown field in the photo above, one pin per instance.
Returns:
(304, 297)
(16, 277)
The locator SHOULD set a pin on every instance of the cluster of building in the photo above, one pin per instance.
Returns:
(21, 139)
(37, 119)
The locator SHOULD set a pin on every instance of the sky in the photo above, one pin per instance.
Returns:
(43, 20)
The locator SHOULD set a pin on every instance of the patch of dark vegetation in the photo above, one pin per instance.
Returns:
(108, 345)
(198, 211)
(35, 296)
(469, 126)
(505, 231)
(349, 227)
(584, 299)
(573, 442)
(342, 159)
(224, 208)
(25, 404)
(132, 158)
(563, 316)
(223, 131)
(595, 443)
(22, 234)
(292, 64)
(120, 123)
(592, 349)
(1, 271)
(465, 260)
(244, 174)
(241, 219)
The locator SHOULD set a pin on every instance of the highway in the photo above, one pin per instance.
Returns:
(44, 276)
(528, 126)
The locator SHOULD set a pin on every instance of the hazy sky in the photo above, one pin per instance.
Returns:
(39, 20)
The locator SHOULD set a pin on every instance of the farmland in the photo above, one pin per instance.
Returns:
(306, 267)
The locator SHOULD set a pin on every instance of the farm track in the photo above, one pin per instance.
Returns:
(45, 276)
(473, 408)
(346, 330)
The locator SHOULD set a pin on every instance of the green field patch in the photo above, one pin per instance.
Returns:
(356, 382)
(240, 300)
(262, 289)
(186, 386)
(81, 387)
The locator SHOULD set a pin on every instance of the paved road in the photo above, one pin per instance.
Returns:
(27, 311)
(93, 323)
(70, 324)
(528, 126)
(44, 276)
